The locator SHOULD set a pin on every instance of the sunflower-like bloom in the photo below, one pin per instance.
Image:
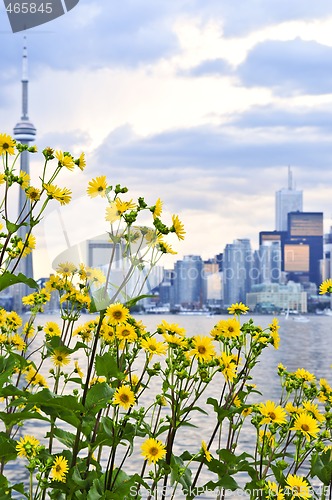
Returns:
(116, 314)
(66, 269)
(80, 162)
(266, 437)
(60, 357)
(157, 209)
(62, 195)
(272, 414)
(27, 246)
(124, 397)
(59, 469)
(13, 320)
(17, 342)
(24, 179)
(203, 349)
(126, 333)
(298, 487)
(107, 333)
(152, 346)
(78, 370)
(52, 329)
(304, 375)
(274, 492)
(7, 144)
(97, 187)
(65, 160)
(32, 193)
(207, 455)
(228, 366)
(307, 425)
(228, 328)
(313, 410)
(275, 339)
(172, 328)
(116, 208)
(326, 287)
(153, 450)
(165, 247)
(178, 227)
(238, 308)
(28, 446)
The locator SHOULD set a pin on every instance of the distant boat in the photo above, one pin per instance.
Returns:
(301, 319)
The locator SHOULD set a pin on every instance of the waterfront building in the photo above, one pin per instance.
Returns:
(287, 200)
(268, 263)
(237, 273)
(273, 297)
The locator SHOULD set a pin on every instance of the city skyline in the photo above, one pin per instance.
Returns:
(202, 105)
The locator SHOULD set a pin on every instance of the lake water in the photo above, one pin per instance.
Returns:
(303, 345)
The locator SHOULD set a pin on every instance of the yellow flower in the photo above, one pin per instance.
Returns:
(152, 346)
(66, 269)
(7, 144)
(116, 314)
(78, 370)
(80, 162)
(65, 160)
(238, 308)
(307, 425)
(178, 227)
(171, 328)
(157, 209)
(266, 437)
(153, 450)
(275, 339)
(312, 409)
(60, 357)
(246, 411)
(206, 452)
(272, 414)
(59, 469)
(116, 208)
(274, 492)
(274, 325)
(13, 320)
(326, 287)
(52, 329)
(228, 328)
(293, 410)
(124, 397)
(62, 195)
(24, 179)
(298, 487)
(165, 248)
(228, 366)
(173, 340)
(32, 193)
(97, 187)
(126, 332)
(28, 246)
(203, 349)
(17, 342)
(28, 446)
(303, 374)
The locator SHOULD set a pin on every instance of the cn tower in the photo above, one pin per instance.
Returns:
(25, 133)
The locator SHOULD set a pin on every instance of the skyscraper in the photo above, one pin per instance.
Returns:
(287, 200)
(237, 274)
(24, 132)
(189, 281)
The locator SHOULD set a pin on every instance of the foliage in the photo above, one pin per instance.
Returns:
(113, 399)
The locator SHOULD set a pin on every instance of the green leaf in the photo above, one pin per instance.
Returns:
(107, 366)
(8, 279)
(66, 408)
(65, 437)
(180, 473)
(10, 419)
(321, 466)
(100, 300)
(7, 448)
(132, 302)
(98, 397)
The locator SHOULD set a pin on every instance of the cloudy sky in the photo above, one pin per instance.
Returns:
(203, 103)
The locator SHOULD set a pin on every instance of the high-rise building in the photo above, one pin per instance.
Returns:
(189, 282)
(287, 200)
(24, 132)
(237, 271)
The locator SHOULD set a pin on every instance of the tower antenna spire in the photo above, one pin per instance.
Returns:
(290, 178)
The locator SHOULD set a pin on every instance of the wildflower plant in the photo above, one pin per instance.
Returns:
(111, 399)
